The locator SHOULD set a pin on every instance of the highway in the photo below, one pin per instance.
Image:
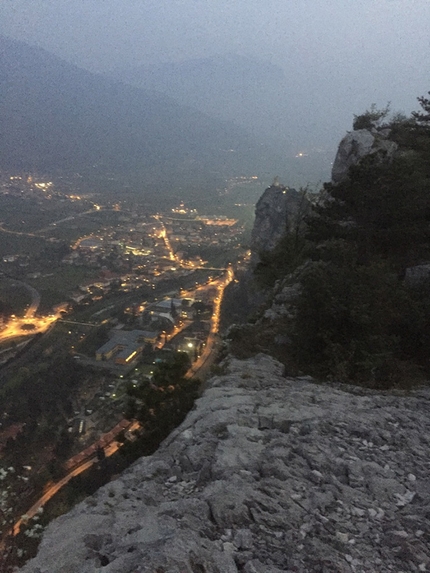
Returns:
(49, 227)
(65, 219)
(4, 230)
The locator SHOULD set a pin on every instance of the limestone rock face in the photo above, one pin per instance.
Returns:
(355, 145)
(276, 213)
(420, 274)
(266, 475)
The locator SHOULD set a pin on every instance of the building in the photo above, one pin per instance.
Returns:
(172, 309)
(125, 346)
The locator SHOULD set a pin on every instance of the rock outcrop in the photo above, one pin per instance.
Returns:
(418, 275)
(355, 145)
(267, 474)
(277, 212)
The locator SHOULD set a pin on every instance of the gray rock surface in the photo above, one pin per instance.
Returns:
(355, 145)
(420, 274)
(276, 213)
(284, 298)
(266, 475)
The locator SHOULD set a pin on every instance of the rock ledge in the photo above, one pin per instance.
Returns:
(266, 475)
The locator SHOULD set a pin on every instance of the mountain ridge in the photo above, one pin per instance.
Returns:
(54, 115)
(256, 94)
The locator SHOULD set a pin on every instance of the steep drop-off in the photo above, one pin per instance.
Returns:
(271, 473)
(267, 475)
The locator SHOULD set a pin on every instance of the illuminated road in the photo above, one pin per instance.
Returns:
(49, 227)
(69, 218)
(29, 324)
(201, 362)
(35, 300)
(52, 490)
(176, 330)
(35, 296)
(110, 446)
(14, 329)
(84, 460)
(165, 238)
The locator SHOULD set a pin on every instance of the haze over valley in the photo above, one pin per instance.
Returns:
(57, 118)
(167, 202)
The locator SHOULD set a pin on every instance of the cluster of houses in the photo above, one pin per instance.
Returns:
(118, 250)
(124, 347)
(127, 258)
(201, 231)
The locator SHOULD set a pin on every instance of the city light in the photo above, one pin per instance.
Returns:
(110, 246)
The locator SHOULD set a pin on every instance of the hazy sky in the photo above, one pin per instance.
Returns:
(340, 55)
(101, 34)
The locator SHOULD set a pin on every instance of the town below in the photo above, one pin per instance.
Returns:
(100, 301)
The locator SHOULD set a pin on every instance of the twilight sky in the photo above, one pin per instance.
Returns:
(339, 56)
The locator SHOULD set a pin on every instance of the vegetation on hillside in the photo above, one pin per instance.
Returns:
(358, 315)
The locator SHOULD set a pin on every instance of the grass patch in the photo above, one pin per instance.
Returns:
(62, 283)
(11, 244)
(72, 230)
(16, 298)
(28, 215)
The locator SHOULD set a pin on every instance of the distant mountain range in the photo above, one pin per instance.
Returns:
(230, 87)
(55, 116)
(258, 96)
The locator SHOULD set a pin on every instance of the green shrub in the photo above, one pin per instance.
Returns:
(370, 118)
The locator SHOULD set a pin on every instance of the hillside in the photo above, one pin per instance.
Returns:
(275, 471)
(55, 116)
(254, 94)
(351, 296)
(230, 87)
(267, 475)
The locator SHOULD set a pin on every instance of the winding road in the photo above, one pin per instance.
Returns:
(35, 297)
(110, 446)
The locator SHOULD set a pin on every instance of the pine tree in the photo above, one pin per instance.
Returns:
(356, 316)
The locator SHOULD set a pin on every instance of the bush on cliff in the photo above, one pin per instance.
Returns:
(356, 317)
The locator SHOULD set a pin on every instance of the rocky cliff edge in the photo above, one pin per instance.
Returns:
(267, 474)
(278, 211)
(356, 145)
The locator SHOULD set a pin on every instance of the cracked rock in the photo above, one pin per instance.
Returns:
(272, 475)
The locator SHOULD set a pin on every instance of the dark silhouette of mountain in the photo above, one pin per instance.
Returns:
(230, 87)
(56, 116)
(256, 95)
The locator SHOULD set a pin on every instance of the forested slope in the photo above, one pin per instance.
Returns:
(361, 304)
